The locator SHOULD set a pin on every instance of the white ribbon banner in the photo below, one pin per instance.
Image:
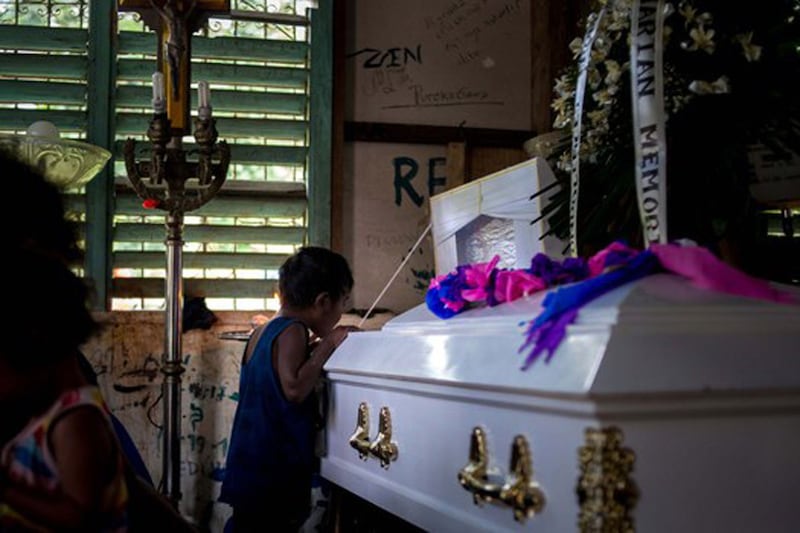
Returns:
(577, 117)
(649, 130)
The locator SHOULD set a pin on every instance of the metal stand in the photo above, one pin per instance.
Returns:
(169, 164)
(168, 172)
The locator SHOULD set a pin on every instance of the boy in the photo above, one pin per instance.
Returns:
(271, 455)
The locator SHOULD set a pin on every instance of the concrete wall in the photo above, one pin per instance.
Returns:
(127, 357)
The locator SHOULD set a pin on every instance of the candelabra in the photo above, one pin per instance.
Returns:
(161, 181)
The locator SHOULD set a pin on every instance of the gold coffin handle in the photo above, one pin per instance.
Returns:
(520, 491)
(382, 447)
(473, 477)
(359, 440)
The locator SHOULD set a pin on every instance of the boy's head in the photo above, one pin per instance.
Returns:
(317, 279)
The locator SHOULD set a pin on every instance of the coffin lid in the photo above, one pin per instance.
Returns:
(660, 334)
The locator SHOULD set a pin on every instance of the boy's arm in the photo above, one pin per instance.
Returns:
(297, 371)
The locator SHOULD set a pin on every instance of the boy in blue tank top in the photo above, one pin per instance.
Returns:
(271, 455)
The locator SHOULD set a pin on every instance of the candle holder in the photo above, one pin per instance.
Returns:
(171, 182)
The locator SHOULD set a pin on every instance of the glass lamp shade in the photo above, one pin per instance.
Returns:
(66, 163)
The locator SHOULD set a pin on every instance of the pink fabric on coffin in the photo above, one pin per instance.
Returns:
(701, 267)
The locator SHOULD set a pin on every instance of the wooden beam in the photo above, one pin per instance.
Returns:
(417, 134)
(456, 167)
(542, 72)
(338, 119)
(100, 131)
(320, 125)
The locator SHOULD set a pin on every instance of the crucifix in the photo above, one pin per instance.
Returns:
(169, 170)
(174, 22)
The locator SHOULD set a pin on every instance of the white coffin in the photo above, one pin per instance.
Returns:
(704, 387)
(492, 216)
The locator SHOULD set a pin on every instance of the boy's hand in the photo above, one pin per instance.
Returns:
(337, 335)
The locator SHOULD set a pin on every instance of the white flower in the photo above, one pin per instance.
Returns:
(561, 104)
(564, 87)
(752, 52)
(719, 86)
(575, 45)
(614, 71)
(565, 161)
(593, 77)
(702, 39)
(689, 12)
(603, 98)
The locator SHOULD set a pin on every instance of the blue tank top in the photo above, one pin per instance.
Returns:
(272, 439)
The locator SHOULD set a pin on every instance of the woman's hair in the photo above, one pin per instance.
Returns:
(41, 225)
(47, 317)
(310, 272)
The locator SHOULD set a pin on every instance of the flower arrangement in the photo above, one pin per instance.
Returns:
(475, 284)
(577, 282)
(731, 81)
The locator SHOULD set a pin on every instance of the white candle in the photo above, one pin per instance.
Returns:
(203, 100)
(158, 92)
(203, 94)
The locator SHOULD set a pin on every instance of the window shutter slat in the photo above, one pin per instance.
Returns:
(286, 78)
(208, 288)
(192, 260)
(223, 48)
(36, 92)
(43, 39)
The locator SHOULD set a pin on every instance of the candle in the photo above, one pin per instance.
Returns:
(203, 93)
(203, 100)
(158, 92)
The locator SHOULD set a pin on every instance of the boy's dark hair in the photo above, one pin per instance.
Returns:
(310, 272)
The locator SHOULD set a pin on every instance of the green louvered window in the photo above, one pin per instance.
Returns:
(43, 72)
(257, 61)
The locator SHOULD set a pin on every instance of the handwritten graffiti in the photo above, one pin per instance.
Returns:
(391, 57)
(222, 445)
(197, 443)
(201, 391)
(148, 370)
(213, 470)
(196, 415)
(122, 406)
(386, 81)
(462, 26)
(405, 170)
